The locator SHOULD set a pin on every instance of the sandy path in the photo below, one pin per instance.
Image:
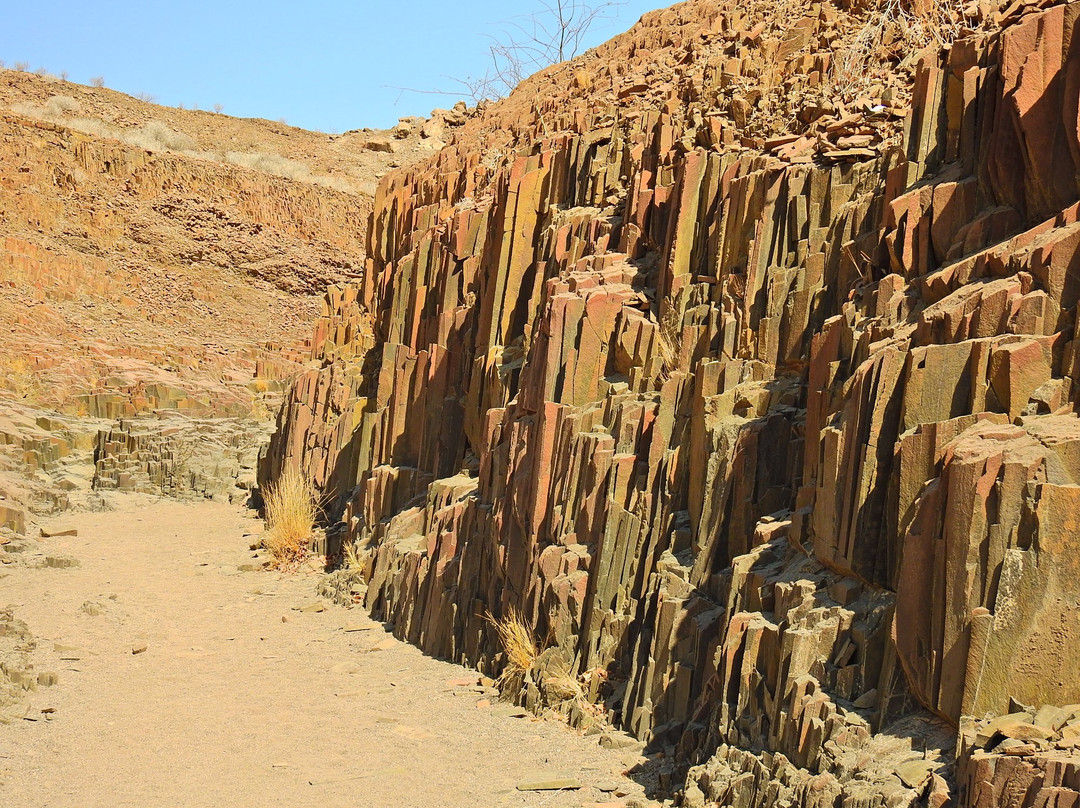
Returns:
(232, 706)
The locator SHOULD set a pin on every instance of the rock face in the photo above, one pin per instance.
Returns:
(115, 261)
(159, 269)
(777, 444)
(181, 457)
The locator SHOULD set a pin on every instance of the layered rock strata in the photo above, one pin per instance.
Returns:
(150, 289)
(776, 444)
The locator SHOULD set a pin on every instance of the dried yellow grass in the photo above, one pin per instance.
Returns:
(517, 642)
(353, 561)
(291, 508)
(561, 686)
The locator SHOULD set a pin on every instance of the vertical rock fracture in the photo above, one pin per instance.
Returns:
(753, 393)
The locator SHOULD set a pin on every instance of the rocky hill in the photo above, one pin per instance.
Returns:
(162, 265)
(736, 357)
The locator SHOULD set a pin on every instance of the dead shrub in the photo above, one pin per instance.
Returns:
(58, 106)
(895, 30)
(291, 508)
(156, 136)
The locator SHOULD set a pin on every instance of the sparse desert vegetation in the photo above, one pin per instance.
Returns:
(351, 163)
(518, 645)
(158, 136)
(291, 508)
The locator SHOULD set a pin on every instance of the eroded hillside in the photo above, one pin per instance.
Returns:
(737, 357)
(162, 265)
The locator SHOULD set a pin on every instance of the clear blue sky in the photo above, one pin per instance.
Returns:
(322, 64)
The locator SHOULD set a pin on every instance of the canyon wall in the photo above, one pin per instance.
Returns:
(156, 302)
(754, 398)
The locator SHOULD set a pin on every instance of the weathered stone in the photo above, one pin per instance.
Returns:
(544, 781)
(772, 433)
(915, 772)
(1051, 717)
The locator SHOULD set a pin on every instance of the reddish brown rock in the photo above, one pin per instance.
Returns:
(775, 443)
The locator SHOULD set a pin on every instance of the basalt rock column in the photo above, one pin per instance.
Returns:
(770, 433)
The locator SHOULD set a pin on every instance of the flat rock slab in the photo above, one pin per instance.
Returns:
(547, 781)
(915, 772)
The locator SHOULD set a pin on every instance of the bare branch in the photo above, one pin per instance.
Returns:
(555, 32)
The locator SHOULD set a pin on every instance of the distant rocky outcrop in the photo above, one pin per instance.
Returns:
(159, 268)
(753, 393)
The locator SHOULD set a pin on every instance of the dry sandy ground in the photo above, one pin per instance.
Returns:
(242, 700)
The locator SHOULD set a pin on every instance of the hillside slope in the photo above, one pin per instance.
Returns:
(737, 356)
(156, 262)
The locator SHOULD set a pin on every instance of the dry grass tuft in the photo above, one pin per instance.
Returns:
(347, 585)
(284, 167)
(156, 136)
(269, 164)
(668, 340)
(561, 686)
(291, 508)
(58, 106)
(542, 669)
(517, 642)
(353, 561)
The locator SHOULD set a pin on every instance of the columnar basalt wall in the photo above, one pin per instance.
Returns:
(181, 457)
(773, 436)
